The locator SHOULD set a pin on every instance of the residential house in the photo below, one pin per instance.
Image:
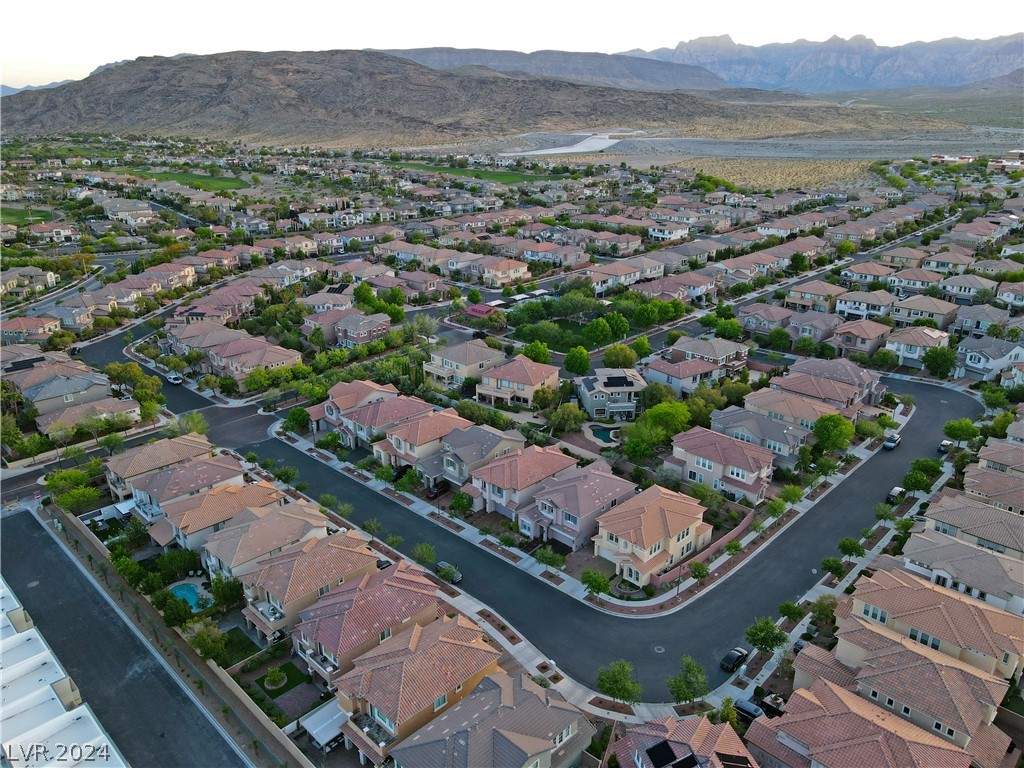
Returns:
(603, 277)
(860, 276)
(193, 476)
(345, 396)
(914, 280)
(989, 576)
(976, 319)
(935, 692)
(788, 407)
(974, 520)
(827, 726)
(864, 305)
(942, 619)
(453, 365)
(906, 311)
(28, 330)
(240, 357)
(670, 742)
(903, 257)
(816, 295)
(255, 534)
(782, 439)
(950, 262)
(358, 328)
(359, 615)
(507, 484)
(191, 520)
(1011, 294)
(861, 336)
(464, 450)
(610, 393)
(967, 289)
(869, 383)
(819, 326)
(912, 342)
(516, 382)
(729, 355)
(650, 532)
(983, 359)
(408, 442)
(124, 468)
(684, 376)
(504, 719)
(106, 408)
(408, 680)
(735, 467)
(841, 395)
(762, 319)
(283, 586)
(566, 506)
(498, 272)
(360, 425)
(999, 488)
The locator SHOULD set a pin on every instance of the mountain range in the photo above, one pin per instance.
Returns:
(372, 99)
(841, 65)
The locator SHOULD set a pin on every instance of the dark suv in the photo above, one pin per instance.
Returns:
(733, 659)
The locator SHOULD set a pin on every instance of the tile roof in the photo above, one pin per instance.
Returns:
(254, 532)
(991, 572)
(407, 673)
(652, 515)
(349, 394)
(358, 611)
(472, 352)
(432, 426)
(838, 729)
(976, 518)
(816, 387)
(919, 336)
(1003, 452)
(163, 453)
(1000, 487)
(950, 616)
(382, 413)
(522, 370)
(584, 490)
(189, 476)
(523, 468)
(309, 565)
(711, 744)
(195, 513)
(503, 721)
(788, 404)
(723, 449)
(76, 414)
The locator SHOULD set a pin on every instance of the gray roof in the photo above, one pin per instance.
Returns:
(982, 569)
(502, 723)
(840, 370)
(984, 312)
(58, 386)
(584, 490)
(709, 348)
(475, 443)
(758, 425)
(471, 353)
(989, 346)
(976, 518)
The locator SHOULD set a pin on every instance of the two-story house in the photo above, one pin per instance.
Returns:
(729, 355)
(684, 376)
(787, 407)
(464, 450)
(816, 295)
(974, 520)
(283, 586)
(651, 532)
(913, 280)
(408, 442)
(761, 319)
(976, 319)
(966, 289)
(983, 359)
(63, 389)
(516, 382)
(610, 393)
(864, 305)
(862, 336)
(357, 328)
(507, 484)
(123, 469)
(360, 425)
(906, 311)
(735, 467)
(345, 396)
(860, 276)
(566, 506)
(843, 396)
(819, 326)
(911, 343)
(190, 521)
(669, 741)
(782, 439)
(408, 680)
(186, 478)
(453, 365)
(868, 383)
(359, 615)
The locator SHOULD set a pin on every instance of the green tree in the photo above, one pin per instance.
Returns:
(578, 361)
(728, 329)
(845, 248)
(297, 421)
(655, 393)
(884, 512)
(851, 547)
(227, 593)
(765, 635)
(546, 555)
(618, 324)
(461, 502)
(671, 417)
(792, 611)
(834, 566)
(805, 345)
(538, 352)
(113, 443)
(393, 540)
(616, 682)
(726, 713)
(939, 361)
(833, 433)
(619, 356)
(372, 526)
(791, 494)
(596, 333)
(778, 339)
(916, 481)
(699, 571)
(64, 480)
(568, 417)
(995, 398)
(286, 474)
(474, 296)
(423, 553)
(203, 635)
(691, 682)
(136, 533)
(186, 423)
(78, 500)
(176, 611)
(641, 346)
(595, 582)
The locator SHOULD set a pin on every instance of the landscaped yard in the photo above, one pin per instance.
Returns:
(197, 180)
(20, 217)
(238, 646)
(569, 338)
(295, 677)
(502, 177)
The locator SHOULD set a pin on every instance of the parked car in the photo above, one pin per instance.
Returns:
(891, 442)
(479, 334)
(748, 711)
(895, 496)
(444, 569)
(733, 659)
(174, 378)
(436, 490)
(946, 446)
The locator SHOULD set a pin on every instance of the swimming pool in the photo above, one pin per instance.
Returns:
(606, 434)
(187, 592)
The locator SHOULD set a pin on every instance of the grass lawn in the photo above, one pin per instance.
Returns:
(569, 339)
(197, 180)
(238, 646)
(19, 217)
(295, 677)
(1015, 704)
(502, 177)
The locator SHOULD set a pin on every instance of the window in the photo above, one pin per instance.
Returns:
(440, 702)
(384, 635)
(950, 732)
(682, 534)
(564, 735)
(874, 695)
(937, 726)
(324, 590)
(381, 718)
(906, 710)
(703, 463)
(570, 519)
(889, 702)
(739, 474)
(655, 549)
(613, 538)
(69, 398)
(458, 687)
(638, 760)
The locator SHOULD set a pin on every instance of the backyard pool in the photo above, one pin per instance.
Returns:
(187, 592)
(607, 434)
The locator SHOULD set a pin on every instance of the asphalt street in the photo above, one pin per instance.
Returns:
(143, 709)
(581, 639)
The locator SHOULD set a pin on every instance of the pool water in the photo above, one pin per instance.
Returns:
(188, 592)
(605, 433)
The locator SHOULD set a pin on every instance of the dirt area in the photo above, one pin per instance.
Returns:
(584, 559)
(489, 522)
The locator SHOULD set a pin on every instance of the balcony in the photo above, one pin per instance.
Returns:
(322, 665)
(265, 617)
(369, 737)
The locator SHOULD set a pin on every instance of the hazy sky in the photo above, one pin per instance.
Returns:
(61, 39)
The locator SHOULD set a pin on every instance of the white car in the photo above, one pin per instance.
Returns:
(174, 378)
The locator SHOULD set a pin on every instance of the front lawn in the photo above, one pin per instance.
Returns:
(20, 217)
(197, 180)
(238, 646)
(295, 677)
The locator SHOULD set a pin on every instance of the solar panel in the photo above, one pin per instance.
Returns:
(661, 754)
(733, 761)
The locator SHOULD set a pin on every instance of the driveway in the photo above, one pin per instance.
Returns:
(582, 639)
(147, 714)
